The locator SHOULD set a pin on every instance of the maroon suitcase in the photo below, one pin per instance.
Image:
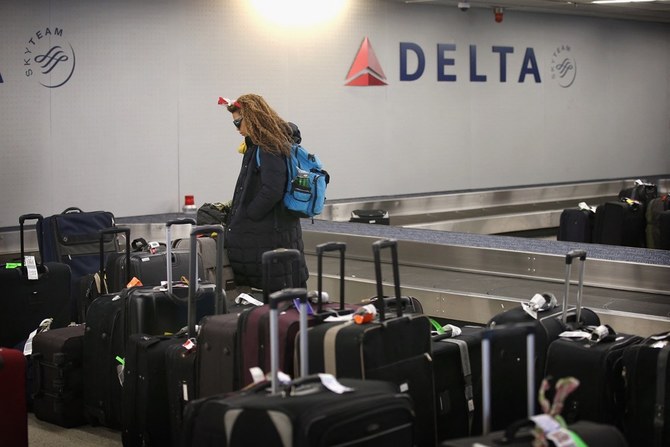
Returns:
(14, 419)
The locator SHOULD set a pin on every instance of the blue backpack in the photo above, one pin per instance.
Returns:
(305, 192)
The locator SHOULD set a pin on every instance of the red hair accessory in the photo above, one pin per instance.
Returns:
(227, 102)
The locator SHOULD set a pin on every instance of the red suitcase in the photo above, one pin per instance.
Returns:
(14, 419)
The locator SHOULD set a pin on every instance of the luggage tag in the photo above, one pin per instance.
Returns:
(31, 268)
(44, 326)
(296, 303)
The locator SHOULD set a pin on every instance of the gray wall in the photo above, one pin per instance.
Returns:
(136, 126)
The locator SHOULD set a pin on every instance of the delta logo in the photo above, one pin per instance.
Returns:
(366, 70)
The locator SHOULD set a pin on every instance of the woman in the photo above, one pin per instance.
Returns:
(258, 221)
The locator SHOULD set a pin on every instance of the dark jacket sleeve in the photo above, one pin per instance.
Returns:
(273, 181)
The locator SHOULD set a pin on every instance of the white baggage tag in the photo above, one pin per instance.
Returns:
(45, 325)
(330, 382)
(31, 267)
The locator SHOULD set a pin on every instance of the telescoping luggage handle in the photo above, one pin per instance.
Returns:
(168, 242)
(377, 246)
(281, 255)
(275, 299)
(487, 336)
(573, 254)
(320, 250)
(114, 231)
(220, 297)
(33, 216)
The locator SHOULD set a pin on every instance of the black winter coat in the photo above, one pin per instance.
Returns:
(258, 222)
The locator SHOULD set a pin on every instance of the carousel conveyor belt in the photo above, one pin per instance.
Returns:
(469, 277)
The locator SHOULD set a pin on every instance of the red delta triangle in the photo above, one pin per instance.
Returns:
(366, 59)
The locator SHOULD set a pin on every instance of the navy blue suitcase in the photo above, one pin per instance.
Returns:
(72, 237)
(576, 225)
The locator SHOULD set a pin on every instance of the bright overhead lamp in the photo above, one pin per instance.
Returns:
(602, 2)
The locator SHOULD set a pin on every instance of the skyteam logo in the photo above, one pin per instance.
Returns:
(563, 66)
(49, 58)
(366, 69)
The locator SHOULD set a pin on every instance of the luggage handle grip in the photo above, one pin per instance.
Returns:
(168, 243)
(320, 250)
(280, 254)
(114, 230)
(220, 297)
(377, 246)
(72, 209)
(275, 299)
(32, 216)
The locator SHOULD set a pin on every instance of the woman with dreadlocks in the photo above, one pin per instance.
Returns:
(257, 221)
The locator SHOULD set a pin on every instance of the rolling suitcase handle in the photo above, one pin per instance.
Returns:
(168, 254)
(487, 336)
(275, 299)
(320, 250)
(220, 298)
(573, 254)
(281, 255)
(33, 216)
(377, 246)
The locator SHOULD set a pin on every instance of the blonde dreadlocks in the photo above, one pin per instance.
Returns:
(264, 125)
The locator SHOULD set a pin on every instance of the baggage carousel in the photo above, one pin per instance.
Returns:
(468, 255)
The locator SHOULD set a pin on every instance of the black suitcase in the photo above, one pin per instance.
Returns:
(664, 224)
(551, 322)
(646, 372)
(655, 208)
(596, 362)
(25, 302)
(151, 267)
(576, 225)
(111, 319)
(306, 412)
(507, 369)
(379, 217)
(71, 237)
(620, 223)
(380, 350)
(92, 285)
(181, 358)
(57, 356)
(457, 371)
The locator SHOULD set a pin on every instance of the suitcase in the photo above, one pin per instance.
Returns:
(207, 252)
(150, 267)
(181, 358)
(598, 366)
(309, 411)
(71, 237)
(14, 420)
(57, 356)
(457, 375)
(93, 285)
(379, 217)
(576, 225)
(110, 321)
(550, 323)
(664, 224)
(502, 369)
(655, 208)
(620, 223)
(159, 371)
(254, 323)
(647, 392)
(380, 350)
(26, 301)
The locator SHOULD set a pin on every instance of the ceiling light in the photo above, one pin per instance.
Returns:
(600, 2)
